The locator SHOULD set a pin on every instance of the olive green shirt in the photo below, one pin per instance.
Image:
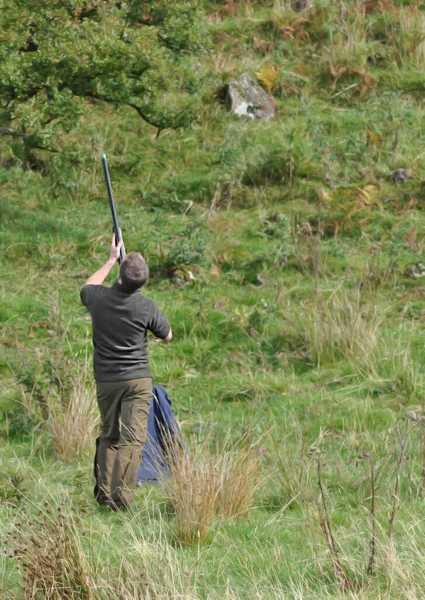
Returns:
(120, 323)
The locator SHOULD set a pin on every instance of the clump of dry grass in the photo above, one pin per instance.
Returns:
(72, 416)
(347, 47)
(209, 484)
(191, 489)
(410, 41)
(393, 365)
(50, 555)
(238, 478)
(344, 324)
(293, 471)
(57, 389)
(60, 397)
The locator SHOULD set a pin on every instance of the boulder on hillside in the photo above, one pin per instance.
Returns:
(401, 175)
(300, 5)
(245, 97)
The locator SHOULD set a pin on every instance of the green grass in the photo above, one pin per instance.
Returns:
(244, 357)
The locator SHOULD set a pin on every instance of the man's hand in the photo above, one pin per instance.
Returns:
(115, 250)
(99, 277)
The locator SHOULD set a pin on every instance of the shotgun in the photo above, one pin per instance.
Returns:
(117, 230)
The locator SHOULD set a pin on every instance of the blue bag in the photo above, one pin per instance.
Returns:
(162, 427)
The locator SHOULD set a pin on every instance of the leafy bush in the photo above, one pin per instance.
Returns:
(128, 55)
(188, 248)
(19, 419)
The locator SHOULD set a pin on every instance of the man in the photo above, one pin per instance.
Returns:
(121, 318)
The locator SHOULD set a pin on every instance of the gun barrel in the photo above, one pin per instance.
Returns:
(117, 230)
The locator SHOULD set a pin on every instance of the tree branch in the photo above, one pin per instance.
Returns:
(145, 118)
(7, 131)
(23, 136)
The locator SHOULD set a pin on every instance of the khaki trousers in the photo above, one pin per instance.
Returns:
(124, 409)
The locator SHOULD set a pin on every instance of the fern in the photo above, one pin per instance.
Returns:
(268, 76)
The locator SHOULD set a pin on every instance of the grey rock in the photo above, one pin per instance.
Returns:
(182, 276)
(401, 175)
(300, 5)
(416, 272)
(246, 98)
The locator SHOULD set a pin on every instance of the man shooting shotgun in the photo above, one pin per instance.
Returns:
(121, 317)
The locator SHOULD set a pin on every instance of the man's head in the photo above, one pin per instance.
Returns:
(134, 272)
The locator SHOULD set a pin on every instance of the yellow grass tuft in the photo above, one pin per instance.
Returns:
(72, 416)
(50, 556)
(208, 485)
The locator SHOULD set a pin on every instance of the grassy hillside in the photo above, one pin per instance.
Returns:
(296, 368)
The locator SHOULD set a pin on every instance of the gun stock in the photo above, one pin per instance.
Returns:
(117, 230)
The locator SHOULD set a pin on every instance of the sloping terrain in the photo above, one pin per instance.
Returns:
(289, 257)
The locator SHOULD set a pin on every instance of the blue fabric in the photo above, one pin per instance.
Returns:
(161, 422)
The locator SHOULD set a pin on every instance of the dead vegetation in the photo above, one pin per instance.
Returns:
(57, 391)
(49, 552)
(204, 485)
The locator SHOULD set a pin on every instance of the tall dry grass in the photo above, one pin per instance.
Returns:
(345, 323)
(410, 41)
(293, 469)
(238, 469)
(404, 31)
(347, 44)
(192, 491)
(132, 557)
(205, 485)
(52, 553)
(393, 366)
(57, 389)
(51, 559)
(72, 414)
(62, 400)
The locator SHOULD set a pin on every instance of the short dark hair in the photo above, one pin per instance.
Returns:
(134, 272)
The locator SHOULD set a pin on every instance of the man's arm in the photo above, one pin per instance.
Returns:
(99, 277)
(169, 337)
(158, 324)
